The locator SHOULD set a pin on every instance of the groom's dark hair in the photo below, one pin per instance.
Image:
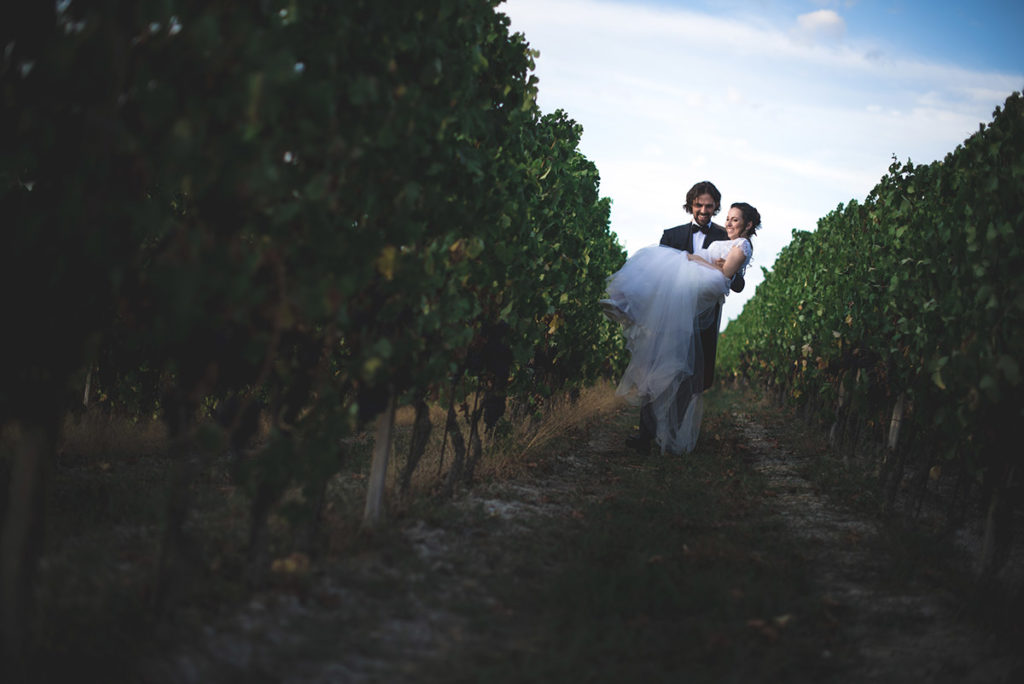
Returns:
(702, 188)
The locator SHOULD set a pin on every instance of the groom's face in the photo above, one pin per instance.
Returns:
(703, 209)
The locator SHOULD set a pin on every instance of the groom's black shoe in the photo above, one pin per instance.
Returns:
(639, 443)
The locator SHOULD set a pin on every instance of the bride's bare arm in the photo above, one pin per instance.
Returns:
(727, 266)
(702, 261)
(733, 260)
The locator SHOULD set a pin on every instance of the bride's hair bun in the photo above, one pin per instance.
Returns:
(751, 217)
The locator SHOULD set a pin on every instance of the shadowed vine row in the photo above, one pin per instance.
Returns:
(301, 210)
(899, 320)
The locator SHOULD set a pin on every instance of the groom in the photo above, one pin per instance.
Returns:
(702, 201)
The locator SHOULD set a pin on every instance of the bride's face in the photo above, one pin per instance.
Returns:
(734, 223)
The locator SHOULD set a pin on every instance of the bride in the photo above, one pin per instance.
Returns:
(658, 296)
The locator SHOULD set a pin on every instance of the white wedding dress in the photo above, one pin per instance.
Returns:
(658, 296)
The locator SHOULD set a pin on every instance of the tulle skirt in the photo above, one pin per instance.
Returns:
(663, 301)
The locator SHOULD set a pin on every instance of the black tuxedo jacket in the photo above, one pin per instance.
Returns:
(680, 237)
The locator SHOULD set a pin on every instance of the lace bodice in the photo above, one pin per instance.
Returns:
(721, 248)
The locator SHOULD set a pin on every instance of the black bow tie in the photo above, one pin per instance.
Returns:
(704, 229)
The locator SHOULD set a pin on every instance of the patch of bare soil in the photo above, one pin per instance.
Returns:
(395, 614)
(905, 633)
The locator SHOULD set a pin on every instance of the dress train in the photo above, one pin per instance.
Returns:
(663, 300)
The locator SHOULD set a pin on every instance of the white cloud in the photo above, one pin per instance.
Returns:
(795, 127)
(823, 24)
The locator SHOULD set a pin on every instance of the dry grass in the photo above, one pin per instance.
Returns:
(99, 434)
(513, 449)
(563, 418)
(100, 444)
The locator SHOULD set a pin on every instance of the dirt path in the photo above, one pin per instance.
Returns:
(908, 635)
(403, 611)
(395, 614)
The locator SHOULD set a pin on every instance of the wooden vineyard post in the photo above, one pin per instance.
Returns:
(379, 465)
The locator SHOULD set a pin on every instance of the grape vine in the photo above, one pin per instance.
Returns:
(304, 210)
(900, 318)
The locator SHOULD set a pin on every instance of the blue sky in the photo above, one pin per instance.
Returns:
(794, 106)
(981, 34)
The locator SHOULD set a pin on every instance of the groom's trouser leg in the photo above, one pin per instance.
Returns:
(647, 423)
(709, 342)
(710, 323)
